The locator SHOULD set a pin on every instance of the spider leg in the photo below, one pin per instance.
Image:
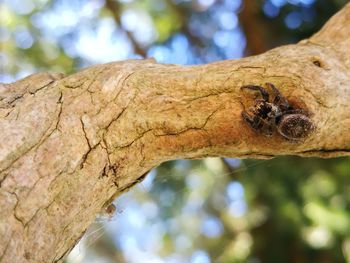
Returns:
(279, 99)
(262, 91)
(249, 119)
(264, 126)
(267, 128)
(253, 121)
(267, 131)
(258, 124)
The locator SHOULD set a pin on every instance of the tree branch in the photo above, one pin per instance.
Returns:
(71, 144)
(254, 28)
(114, 8)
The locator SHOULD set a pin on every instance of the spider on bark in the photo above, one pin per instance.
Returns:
(265, 116)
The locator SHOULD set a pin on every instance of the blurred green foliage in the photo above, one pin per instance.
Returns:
(287, 209)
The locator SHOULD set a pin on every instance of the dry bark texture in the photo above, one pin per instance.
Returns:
(70, 144)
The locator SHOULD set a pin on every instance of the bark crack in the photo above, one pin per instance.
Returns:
(84, 132)
(51, 78)
(40, 142)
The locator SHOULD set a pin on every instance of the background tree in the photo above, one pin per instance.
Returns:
(254, 212)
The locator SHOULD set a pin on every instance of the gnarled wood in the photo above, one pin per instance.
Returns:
(72, 143)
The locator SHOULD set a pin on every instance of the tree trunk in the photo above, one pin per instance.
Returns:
(71, 144)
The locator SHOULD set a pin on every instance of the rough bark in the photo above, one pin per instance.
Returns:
(70, 144)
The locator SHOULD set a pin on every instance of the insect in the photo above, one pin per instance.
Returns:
(265, 116)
